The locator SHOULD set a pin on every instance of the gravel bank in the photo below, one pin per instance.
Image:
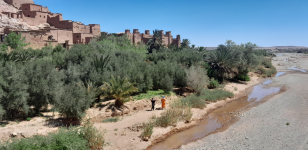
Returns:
(265, 126)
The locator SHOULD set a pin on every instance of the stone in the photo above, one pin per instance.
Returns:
(14, 134)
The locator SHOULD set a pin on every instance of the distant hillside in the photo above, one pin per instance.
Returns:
(275, 48)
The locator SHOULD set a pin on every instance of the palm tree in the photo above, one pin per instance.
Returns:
(120, 89)
(222, 62)
(156, 41)
(93, 91)
(185, 43)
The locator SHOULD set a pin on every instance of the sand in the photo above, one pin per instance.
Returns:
(279, 123)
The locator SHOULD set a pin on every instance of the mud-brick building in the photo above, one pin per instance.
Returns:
(65, 32)
(136, 37)
(17, 3)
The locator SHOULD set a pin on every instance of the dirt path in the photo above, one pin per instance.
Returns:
(265, 126)
(119, 137)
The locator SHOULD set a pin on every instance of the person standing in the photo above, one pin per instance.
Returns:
(163, 102)
(153, 104)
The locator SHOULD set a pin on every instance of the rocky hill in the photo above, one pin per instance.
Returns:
(5, 21)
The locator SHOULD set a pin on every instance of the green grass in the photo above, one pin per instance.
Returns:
(194, 101)
(3, 125)
(214, 95)
(64, 139)
(177, 112)
(114, 119)
(85, 137)
(151, 93)
(213, 84)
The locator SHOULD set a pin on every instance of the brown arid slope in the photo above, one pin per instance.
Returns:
(13, 23)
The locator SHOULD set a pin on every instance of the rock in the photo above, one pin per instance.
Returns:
(14, 134)
(145, 138)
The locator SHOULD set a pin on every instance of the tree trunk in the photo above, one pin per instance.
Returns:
(118, 103)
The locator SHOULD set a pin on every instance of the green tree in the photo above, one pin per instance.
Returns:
(15, 41)
(43, 81)
(73, 100)
(13, 89)
(2, 112)
(185, 43)
(196, 78)
(120, 89)
(167, 83)
(222, 62)
(59, 48)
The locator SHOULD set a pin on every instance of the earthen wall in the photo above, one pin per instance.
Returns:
(136, 37)
(81, 28)
(18, 3)
(95, 29)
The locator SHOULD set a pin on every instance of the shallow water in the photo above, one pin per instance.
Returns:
(267, 82)
(279, 74)
(216, 119)
(296, 69)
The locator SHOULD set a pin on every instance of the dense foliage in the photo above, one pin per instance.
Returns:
(72, 80)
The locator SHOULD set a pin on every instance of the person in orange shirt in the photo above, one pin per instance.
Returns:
(163, 103)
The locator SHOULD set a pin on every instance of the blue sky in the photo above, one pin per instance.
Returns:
(204, 22)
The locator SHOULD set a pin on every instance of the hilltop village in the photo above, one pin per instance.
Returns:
(64, 32)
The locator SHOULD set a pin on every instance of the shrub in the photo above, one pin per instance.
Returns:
(179, 111)
(243, 77)
(115, 119)
(213, 84)
(214, 95)
(267, 63)
(267, 72)
(72, 101)
(29, 118)
(147, 130)
(196, 78)
(194, 101)
(63, 139)
(94, 137)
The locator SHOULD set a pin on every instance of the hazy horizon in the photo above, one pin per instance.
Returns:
(205, 23)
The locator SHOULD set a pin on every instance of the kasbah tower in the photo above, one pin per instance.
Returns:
(65, 32)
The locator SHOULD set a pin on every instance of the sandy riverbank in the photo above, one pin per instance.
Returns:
(265, 126)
